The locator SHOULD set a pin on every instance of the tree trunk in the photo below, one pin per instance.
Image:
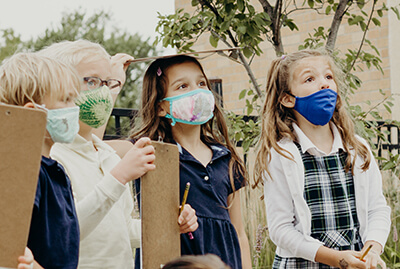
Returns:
(336, 21)
(275, 14)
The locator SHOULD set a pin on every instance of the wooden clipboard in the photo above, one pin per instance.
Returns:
(21, 139)
(160, 207)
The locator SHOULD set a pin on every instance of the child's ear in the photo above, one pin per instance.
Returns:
(29, 105)
(161, 110)
(288, 101)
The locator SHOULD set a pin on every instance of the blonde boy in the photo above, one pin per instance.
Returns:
(38, 82)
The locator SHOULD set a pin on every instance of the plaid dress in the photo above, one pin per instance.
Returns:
(329, 193)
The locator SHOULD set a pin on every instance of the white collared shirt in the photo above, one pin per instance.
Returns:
(104, 205)
(308, 146)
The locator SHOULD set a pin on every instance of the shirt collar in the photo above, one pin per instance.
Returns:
(48, 161)
(82, 145)
(218, 151)
(307, 145)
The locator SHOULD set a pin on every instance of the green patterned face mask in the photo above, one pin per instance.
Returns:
(95, 106)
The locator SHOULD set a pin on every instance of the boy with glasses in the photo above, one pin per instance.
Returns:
(99, 176)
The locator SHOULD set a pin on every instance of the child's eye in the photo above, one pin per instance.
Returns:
(202, 83)
(183, 86)
(309, 79)
(329, 76)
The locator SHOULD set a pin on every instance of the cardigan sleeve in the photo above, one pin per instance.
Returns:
(378, 212)
(284, 227)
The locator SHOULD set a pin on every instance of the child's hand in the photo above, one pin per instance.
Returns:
(26, 261)
(372, 259)
(350, 259)
(136, 162)
(119, 65)
(187, 220)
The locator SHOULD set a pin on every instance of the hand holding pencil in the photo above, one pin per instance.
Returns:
(365, 253)
(373, 260)
(187, 216)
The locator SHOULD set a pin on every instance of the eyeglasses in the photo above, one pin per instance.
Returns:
(95, 82)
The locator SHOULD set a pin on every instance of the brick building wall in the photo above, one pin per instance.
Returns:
(386, 38)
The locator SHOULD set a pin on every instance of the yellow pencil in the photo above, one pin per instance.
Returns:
(185, 195)
(365, 252)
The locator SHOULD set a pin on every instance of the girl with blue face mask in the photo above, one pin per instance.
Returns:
(179, 107)
(322, 186)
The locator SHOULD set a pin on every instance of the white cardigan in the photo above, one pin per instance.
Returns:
(289, 218)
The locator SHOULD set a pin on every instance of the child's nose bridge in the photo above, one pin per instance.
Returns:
(194, 85)
(324, 83)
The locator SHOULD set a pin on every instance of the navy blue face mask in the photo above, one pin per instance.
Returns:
(318, 107)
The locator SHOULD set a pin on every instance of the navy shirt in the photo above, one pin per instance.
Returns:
(54, 231)
(209, 190)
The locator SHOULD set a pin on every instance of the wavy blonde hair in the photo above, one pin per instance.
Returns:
(75, 52)
(29, 77)
(276, 119)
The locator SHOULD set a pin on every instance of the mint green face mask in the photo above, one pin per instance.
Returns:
(95, 106)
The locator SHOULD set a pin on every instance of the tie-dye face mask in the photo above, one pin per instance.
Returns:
(195, 107)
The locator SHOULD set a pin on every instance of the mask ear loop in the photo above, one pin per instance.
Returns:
(291, 94)
(168, 116)
(43, 107)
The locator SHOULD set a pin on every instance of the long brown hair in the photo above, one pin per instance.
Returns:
(152, 125)
(276, 119)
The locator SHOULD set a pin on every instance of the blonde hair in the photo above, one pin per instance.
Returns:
(276, 119)
(208, 261)
(28, 77)
(75, 52)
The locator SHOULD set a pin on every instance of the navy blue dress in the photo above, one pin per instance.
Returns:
(209, 190)
(54, 232)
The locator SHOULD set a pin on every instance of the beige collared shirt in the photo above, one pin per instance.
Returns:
(104, 206)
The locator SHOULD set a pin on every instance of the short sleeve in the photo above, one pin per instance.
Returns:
(39, 188)
(239, 181)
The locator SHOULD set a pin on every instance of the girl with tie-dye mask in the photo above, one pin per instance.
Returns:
(179, 107)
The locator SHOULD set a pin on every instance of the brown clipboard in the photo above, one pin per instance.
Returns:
(160, 207)
(21, 139)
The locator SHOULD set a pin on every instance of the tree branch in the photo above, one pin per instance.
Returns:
(336, 21)
(275, 15)
(215, 11)
(244, 63)
(363, 39)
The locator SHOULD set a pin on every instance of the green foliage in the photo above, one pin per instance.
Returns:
(222, 18)
(10, 43)
(96, 28)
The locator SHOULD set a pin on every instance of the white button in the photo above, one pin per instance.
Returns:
(210, 162)
(206, 178)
